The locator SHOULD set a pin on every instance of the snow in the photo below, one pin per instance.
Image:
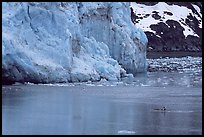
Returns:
(70, 41)
(199, 12)
(177, 11)
(198, 9)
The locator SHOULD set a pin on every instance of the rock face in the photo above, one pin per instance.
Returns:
(170, 26)
(70, 41)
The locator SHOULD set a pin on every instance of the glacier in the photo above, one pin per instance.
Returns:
(53, 42)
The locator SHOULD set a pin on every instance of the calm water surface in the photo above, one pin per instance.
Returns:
(106, 108)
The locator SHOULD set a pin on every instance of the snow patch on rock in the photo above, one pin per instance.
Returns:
(178, 13)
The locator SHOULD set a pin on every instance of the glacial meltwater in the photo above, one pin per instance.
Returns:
(126, 107)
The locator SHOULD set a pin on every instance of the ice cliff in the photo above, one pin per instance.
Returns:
(50, 42)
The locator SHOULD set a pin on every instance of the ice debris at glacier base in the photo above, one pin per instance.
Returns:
(49, 42)
(184, 64)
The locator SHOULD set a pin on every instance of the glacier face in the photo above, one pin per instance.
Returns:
(49, 42)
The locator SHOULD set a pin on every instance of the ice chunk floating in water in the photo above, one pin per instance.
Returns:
(126, 132)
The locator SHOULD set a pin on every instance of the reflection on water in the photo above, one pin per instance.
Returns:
(81, 109)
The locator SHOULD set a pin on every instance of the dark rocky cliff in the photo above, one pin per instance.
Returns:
(167, 34)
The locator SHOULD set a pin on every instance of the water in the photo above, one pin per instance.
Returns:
(125, 107)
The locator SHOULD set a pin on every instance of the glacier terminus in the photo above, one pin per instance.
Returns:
(51, 42)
